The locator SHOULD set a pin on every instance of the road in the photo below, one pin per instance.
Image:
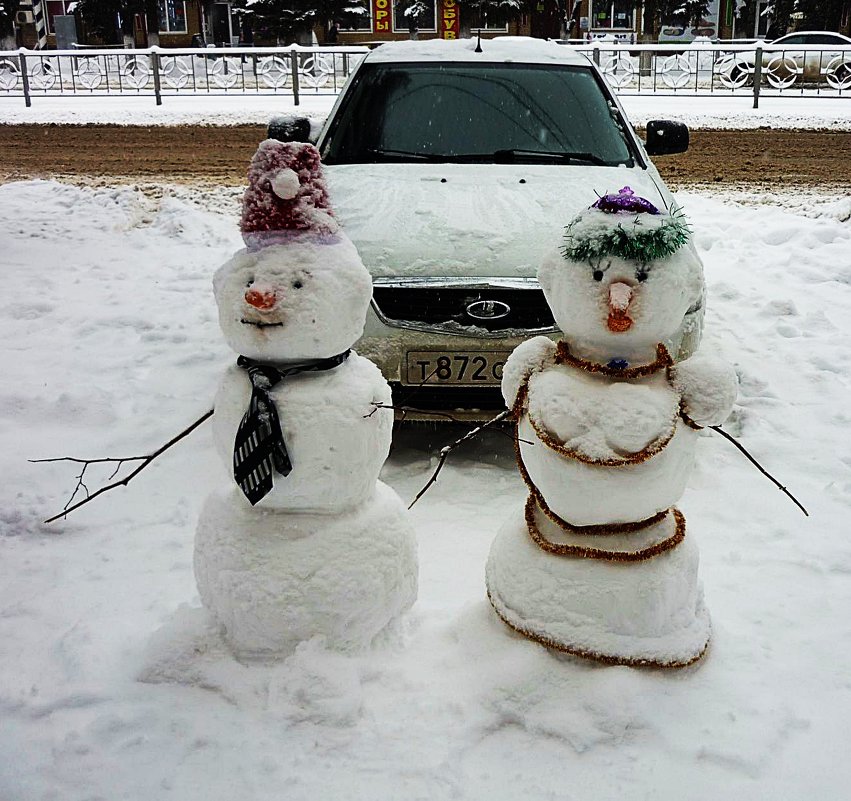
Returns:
(190, 154)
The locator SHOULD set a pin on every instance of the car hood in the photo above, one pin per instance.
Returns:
(468, 219)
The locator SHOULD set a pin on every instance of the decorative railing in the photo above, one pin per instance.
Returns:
(706, 69)
(722, 69)
(158, 72)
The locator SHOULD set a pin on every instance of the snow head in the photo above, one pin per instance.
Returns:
(300, 290)
(285, 303)
(286, 195)
(624, 280)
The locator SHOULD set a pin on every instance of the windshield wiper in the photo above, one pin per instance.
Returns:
(498, 157)
(435, 158)
(515, 154)
(408, 154)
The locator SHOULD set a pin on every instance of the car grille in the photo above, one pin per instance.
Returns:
(443, 398)
(450, 307)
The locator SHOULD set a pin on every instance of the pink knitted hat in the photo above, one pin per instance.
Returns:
(286, 196)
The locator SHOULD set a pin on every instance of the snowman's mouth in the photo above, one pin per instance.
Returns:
(258, 324)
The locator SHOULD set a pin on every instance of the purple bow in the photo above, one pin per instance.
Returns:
(624, 202)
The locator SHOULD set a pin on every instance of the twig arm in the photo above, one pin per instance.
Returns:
(146, 460)
(447, 449)
(759, 467)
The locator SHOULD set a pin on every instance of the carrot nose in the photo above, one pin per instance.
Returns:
(620, 296)
(261, 300)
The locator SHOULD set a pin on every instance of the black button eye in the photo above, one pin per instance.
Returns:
(598, 275)
(297, 284)
(250, 282)
(641, 276)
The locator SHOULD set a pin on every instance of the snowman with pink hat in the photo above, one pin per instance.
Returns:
(599, 561)
(301, 539)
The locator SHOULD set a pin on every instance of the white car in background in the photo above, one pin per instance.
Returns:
(785, 63)
(453, 169)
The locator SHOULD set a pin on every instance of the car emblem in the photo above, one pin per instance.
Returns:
(488, 309)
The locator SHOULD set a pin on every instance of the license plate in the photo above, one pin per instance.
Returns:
(468, 368)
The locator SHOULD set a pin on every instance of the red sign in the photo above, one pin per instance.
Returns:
(381, 15)
(450, 24)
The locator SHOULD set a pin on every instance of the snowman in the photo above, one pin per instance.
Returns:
(302, 539)
(598, 562)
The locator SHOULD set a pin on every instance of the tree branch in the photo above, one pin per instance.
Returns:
(759, 467)
(145, 460)
(447, 449)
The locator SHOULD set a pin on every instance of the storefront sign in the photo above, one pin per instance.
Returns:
(450, 24)
(381, 15)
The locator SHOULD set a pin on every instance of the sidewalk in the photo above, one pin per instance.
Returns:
(238, 109)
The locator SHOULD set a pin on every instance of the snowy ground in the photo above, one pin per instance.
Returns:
(717, 111)
(111, 346)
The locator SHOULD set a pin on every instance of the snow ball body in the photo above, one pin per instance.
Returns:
(638, 612)
(602, 445)
(287, 304)
(609, 422)
(274, 580)
(601, 417)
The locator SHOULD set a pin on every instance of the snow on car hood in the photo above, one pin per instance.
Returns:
(467, 219)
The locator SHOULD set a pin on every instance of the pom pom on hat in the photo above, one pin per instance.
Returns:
(285, 183)
(286, 196)
(627, 226)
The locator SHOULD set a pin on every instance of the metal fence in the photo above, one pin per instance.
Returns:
(754, 69)
(156, 72)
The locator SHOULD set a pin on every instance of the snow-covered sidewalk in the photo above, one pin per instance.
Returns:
(111, 346)
(698, 112)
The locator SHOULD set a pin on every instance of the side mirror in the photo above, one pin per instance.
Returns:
(666, 136)
(289, 129)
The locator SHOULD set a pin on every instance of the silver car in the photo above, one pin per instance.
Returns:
(453, 168)
(827, 58)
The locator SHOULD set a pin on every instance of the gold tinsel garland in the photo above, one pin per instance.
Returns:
(601, 529)
(563, 549)
(596, 656)
(663, 362)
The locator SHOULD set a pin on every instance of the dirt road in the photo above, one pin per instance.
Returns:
(221, 155)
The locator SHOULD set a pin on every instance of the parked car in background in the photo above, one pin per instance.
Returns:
(453, 168)
(782, 60)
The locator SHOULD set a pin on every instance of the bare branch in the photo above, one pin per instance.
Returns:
(80, 485)
(447, 449)
(145, 461)
(760, 467)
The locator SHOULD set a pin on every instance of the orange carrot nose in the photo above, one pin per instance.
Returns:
(620, 296)
(261, 300)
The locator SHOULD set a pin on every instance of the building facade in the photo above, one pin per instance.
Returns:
(188, 23)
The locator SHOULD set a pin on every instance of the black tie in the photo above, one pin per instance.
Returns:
(259, 444)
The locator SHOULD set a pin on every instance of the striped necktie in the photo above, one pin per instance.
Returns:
(259, 445)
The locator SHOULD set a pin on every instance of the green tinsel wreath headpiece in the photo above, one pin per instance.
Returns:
(642, 233)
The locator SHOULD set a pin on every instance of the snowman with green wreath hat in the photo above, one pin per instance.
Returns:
(598, 562)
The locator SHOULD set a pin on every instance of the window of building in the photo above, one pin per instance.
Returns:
(608, 14)
(419, 14)
(172, 16)
(56, 8)
(356, 18)
(494, 18)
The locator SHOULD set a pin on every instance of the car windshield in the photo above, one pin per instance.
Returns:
(426, 111)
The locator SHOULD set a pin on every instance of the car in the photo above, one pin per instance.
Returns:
(782, 63)
(453, 165)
